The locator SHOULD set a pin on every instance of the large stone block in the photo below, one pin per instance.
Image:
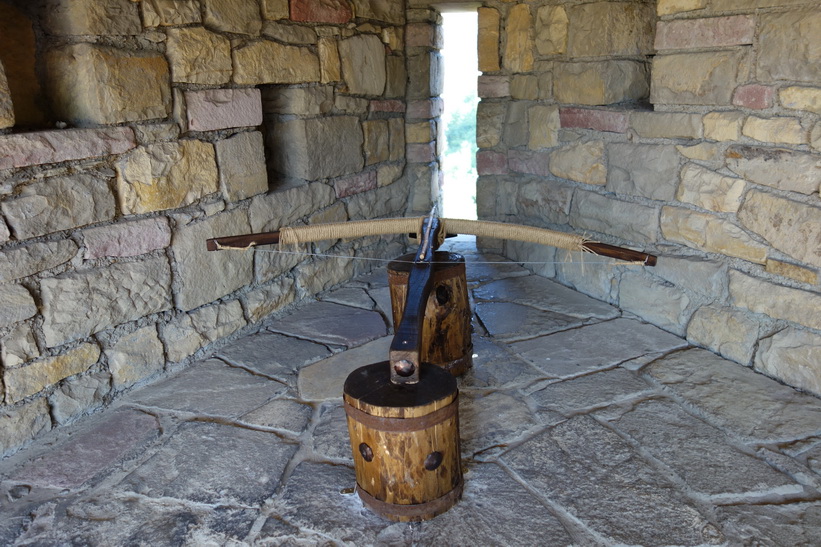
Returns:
(330, 68)
(234, 17)
(628, 29)
(704, 278)
(670, 7)
(801, 98)
(518, 52)
(42, 147)
(59, 203)
(23, 423)
(213, 109)
(396, 82)
(710, 190)
(168, 13)
(18, 305)
(92, 17)
(527, 161)
(551, 30)
(710, 233)
(630, 221)
(488, 41)
(654, 301)
(646, 170)
(78, 304)
(779, 302)
(776, 167)
(705, 32)
(317, 148)
(490, 119)
(166, 176)
(6, 106)
(199, 56)
(135, 356)
(289, 34)
(666, 125)
(241, 161)
(723, 126)
(600, 82)
(272, 211)
(127, 238)
(790, 226)
(788, 46)
(275, 9)
(792, 356)
(268, 62)
(91, 84)
(30, 259)
(544, 201)
(785, 269)
(543, 126)
(388, 11)
(18, 346)
(264, 301)
(698, 78)
(218, 321)
(302, 101)
(427, 78)
(781, 129)
(363, 64)
(727, 331)
(582, 162)
(203, 277)
(377, 142)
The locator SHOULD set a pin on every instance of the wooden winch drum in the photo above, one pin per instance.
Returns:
(405, 441)
(446, 330)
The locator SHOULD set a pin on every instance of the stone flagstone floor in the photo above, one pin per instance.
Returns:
(579, 426)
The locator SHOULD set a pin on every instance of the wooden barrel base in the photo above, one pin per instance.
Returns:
(446, 330)
(404, 441)
(412, 513)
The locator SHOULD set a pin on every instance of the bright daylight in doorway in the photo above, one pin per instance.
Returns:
(459, 117)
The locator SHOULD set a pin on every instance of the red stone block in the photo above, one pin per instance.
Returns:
(421, 153)
(528, 161)
(754, 96)
(355, 184)
(612, 121)
(425, 109)
(214, 109)
(489, 87)
(321, 11)
(387, 106)
(42, 147)
(489, 162)
(706, 32)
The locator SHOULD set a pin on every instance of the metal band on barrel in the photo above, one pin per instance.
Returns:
(401, 425)
(425, 510)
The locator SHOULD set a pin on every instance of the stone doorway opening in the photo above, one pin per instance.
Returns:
(458, 157)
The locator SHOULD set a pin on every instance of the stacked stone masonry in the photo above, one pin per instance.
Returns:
(689, 128)
(163, 123)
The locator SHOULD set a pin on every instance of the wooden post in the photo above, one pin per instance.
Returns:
(446, 330)
(405, 441)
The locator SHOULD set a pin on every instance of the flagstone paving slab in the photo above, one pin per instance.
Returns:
(329, 323)
(210, 388)
(508, 321)
(286, 414)
(770, 410)
(272, 354)
(541, 293)
(591, 391)
(600, 479)
(600, 345)
(213, 463)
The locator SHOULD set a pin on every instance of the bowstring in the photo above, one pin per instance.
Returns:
(388, 260)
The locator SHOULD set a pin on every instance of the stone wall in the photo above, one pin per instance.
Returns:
(689, 128)
(173, 121)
